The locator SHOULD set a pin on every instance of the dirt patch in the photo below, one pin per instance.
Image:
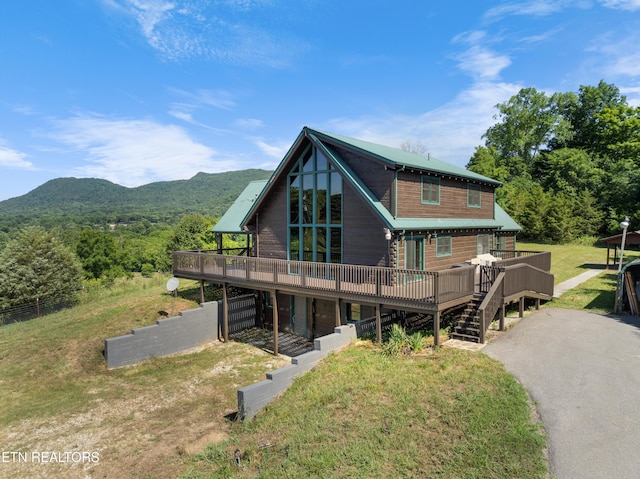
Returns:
(146, 432)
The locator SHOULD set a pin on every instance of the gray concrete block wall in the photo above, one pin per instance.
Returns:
(189, 330)
(254, 397)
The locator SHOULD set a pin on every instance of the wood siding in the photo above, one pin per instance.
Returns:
(271, 223)
(373, 174)
(464, 248)
(362, 232)
(453, 199)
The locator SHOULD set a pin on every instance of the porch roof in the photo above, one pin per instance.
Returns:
(231, 221)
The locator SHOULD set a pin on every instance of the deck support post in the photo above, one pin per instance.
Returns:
(501, 317)
(225, 313)
(202, 290)
(338, 312)
(274, 301)
(378, 323)
(537, 304)
(521, 307)
(436, 328)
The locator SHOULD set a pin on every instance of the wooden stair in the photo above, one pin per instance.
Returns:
(468, 324)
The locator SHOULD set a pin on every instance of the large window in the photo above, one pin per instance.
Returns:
(474, 195)
(315, 209)
(444, 246)
(430, 190)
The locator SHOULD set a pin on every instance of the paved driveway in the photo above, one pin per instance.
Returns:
(583, 372)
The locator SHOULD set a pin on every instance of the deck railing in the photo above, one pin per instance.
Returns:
(537, 259)
(366, 281)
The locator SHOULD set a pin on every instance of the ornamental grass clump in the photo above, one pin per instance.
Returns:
(402, 343)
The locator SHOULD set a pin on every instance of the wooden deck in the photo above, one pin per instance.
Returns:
(416, 290)
(517, 275)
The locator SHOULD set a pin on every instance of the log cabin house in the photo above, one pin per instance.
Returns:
(347, 230)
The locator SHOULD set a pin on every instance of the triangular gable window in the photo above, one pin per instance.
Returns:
(315, 209)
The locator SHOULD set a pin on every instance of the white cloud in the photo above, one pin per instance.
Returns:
(248, 123)
(478, 60)
(619, 55)
(482, 63)
(630, 5)
(232, 32)
(275, 151)
(450, 133)
(10, 158)
(536, 8)
(134, 152)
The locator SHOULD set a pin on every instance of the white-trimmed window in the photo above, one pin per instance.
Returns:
(430, 190)
(444, 246)
(474, 195)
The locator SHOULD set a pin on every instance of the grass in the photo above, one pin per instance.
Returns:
(361, 413)
(365, 414)
(57, 393)
(596, 295)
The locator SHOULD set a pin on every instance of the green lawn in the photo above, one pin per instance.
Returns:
(364, 414)
(361, 413)
(596, 295)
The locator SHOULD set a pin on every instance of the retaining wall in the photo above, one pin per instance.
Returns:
(188, 330)
(254, 397)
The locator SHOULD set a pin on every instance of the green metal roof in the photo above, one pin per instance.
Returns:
(248, 201)
(399, 158)
(231, 221)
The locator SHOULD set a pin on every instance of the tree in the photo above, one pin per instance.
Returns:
(98, 253)
(486, 162)
(582, 113)
(192, 233)
(569, 171)
(528, 123)
(36, 265)
(414, 147)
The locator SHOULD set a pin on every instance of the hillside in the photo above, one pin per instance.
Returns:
(92, 199)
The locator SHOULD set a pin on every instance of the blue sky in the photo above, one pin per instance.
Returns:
(138, 91)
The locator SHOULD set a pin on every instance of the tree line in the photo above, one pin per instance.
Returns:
(55, 264)
(569, 162)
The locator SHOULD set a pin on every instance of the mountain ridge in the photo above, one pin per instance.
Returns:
(207, 193)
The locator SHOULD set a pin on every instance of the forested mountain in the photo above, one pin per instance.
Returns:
(89, 201)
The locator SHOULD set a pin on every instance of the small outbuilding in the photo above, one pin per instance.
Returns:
(632, 239)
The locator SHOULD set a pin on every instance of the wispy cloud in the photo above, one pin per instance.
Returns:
(230, 32)
(478, 60)
(631, 5)
(10, 158)
(133, 152)
(618, 53)
(248, 123)
(536, 8)
(275, 151)
(450, 133)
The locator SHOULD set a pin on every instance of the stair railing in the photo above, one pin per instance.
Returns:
(491, 303)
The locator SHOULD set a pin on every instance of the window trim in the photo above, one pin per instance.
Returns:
(450, 252)
(473, 188)
(433, 181)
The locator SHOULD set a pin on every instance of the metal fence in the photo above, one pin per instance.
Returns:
(35, 309)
